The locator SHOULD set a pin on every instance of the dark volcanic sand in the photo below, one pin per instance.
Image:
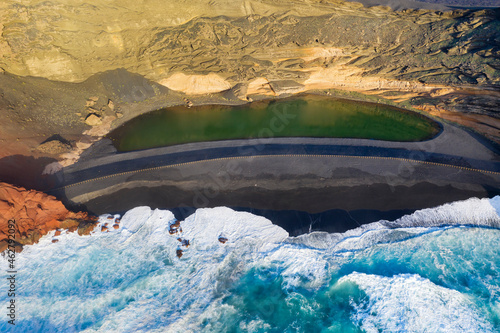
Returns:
(361, 181)
(294, 210)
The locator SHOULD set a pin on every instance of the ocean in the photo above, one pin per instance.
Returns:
(436, 270)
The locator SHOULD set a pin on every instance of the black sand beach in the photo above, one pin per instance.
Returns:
(297, 210)
(294, 181)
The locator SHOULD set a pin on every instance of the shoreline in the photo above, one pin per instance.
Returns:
(286, 174)
(120, 132)
(81, 142)
(186, 59)
(397, 202)
(219, 99)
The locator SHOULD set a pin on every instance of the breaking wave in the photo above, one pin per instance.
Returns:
(436, 270)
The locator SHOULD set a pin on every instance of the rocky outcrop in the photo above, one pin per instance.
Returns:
(93, 119)
(33, 214)
(54, 146)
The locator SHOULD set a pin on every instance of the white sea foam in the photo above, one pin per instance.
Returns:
(204, 228)
(473, 211)
(495, 203)
(410, 303)
(80, 278)
(301, 266)
(125, 279)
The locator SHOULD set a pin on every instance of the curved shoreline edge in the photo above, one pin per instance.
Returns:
(285, 117)
(441, 149)
(283, 177)
(491, 166)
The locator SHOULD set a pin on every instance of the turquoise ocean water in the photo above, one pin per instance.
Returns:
(437, 270)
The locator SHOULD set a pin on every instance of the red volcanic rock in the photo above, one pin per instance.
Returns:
(116, 226)
(30, 214)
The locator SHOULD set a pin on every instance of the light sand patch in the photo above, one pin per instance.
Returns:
(312, 53)
(441, 92)
(52, 64)
(350, 78)
(260, 86)
(196, 84)
(102, 129)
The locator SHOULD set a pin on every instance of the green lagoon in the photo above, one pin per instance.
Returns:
(306, 116)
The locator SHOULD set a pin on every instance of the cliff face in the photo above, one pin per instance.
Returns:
(34, 214)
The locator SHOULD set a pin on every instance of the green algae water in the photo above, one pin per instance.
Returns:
(311, 116)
